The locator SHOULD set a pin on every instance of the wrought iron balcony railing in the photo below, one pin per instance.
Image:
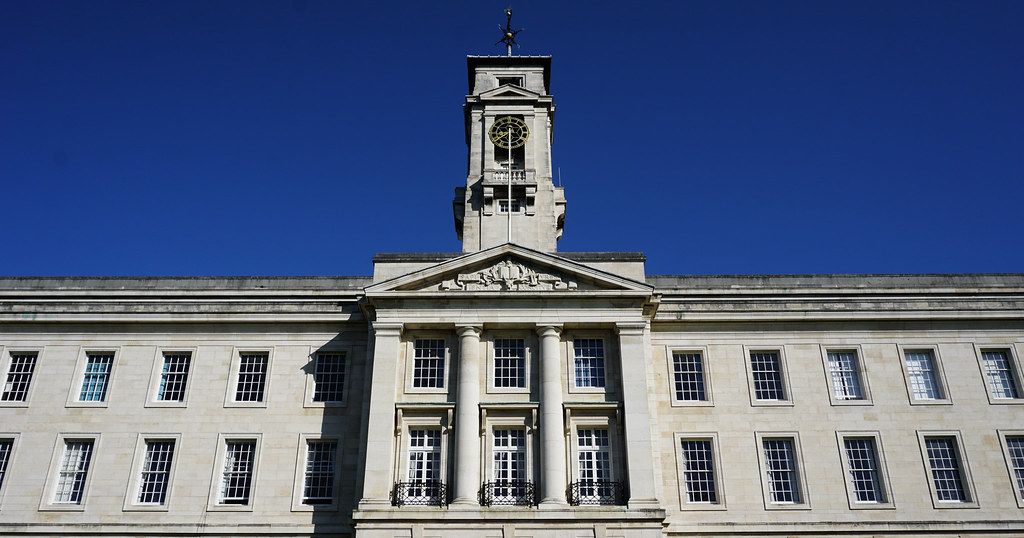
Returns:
(420, 493)
(507, 493)
(607, 492)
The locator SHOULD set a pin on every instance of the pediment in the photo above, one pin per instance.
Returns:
(507, 91)
(512, 269)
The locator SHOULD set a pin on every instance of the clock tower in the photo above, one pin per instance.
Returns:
(509, 196)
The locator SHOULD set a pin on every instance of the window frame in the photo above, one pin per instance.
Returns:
(1015, 372)
(155, 375)
(611, 377)
(965, 470)
(310, 385)
(131, 503)
(799, 464)
(884, 483)
(13, 438)
(670, 352)
(598, 421)
(940, 374)
(787, 386)
(520, 78)
(5, 366)
(79, 377)
(1005, 446)
(232, 384)
(46, 503)
(214, 503)
(712, 437)
(861, 372)
(299, 484)
(450, 360)
(529, 344)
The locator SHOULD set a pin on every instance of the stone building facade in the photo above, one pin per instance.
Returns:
(511, 389)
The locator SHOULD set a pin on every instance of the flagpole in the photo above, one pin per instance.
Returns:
(510, 184)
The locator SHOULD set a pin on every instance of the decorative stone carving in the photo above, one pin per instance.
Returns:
(507, 275)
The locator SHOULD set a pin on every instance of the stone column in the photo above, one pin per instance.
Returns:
(552, 435)
(635, 359)
(467, 417)
(377, 481)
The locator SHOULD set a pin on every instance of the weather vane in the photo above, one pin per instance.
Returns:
(508, 35)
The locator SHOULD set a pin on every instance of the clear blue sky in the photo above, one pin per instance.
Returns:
(301, 137)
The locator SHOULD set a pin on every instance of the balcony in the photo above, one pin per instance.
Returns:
(596, 492)
(507, 493)
(518, 176)
(420, 493)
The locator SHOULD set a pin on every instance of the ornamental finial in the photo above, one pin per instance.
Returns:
(508, 35)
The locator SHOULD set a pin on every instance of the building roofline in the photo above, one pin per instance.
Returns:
(472, 62)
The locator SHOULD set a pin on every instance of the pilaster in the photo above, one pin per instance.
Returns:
(377, 480)
(635, 355)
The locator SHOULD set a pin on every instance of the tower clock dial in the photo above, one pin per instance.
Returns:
(504, 125)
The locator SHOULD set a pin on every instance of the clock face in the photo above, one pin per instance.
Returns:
(504, 125)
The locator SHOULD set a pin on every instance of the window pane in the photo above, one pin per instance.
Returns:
(589, 362)
(19, 377)
(510, 362)
(428, 364)
(96, 377)
(924, 383)
(174, 377)
(509, 453)
(6, 446)
(74, 469)
(844, 372)
(766, 370)
(1015, 446)
(780, 463)
(156, 472)
(236, 481)
(862, 460)
(698, 471)
(318, 481)
(688, 371)
(252, 377)
(944, 463)
(999, 374)
(329, 377)
(595, 463)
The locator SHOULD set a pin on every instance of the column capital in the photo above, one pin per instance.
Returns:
(548, 329)
(387, 328)
(463, 328)
(631, 328)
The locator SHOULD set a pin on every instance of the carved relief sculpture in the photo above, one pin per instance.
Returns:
(507, 275)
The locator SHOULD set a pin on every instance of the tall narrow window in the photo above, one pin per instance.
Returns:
(6, 447)
(698, 471)
(155, 476)
(924, 380)
(509, 462)
(174, 377)
(509, 363)
(595, 464)
(236, 480)
(999, 374)
(766, 371)
(428, 363)
(688, 374)
(946, 469)
(844, 372)
(96, 377)
(1015, 449)
(19, 377)
(589, 362)
(318, 480)
(252, 377)
(865, 479)
(74, 469)
(780, 467)
(424, 470)
(329, 377)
